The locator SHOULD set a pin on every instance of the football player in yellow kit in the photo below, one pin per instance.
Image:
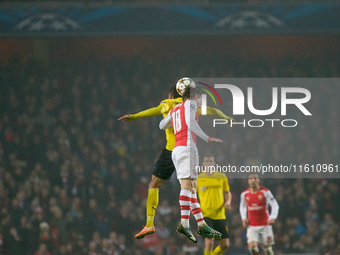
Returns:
(164, 166)
(215, 196)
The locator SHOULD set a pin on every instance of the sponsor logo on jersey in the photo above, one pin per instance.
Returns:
(202, 188)
(252, 208)
(214, 187)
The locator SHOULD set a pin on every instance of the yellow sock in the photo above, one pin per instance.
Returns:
(217, 251)
(208, 252)
(151, 205)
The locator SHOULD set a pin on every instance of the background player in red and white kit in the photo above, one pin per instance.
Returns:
(183, 118)
(255, 200)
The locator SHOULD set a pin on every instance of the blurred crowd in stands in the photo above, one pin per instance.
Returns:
(74, 180)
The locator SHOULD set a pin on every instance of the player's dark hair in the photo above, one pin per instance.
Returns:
(174, 93)
(208, 155)
(190, 93)
(253, 176)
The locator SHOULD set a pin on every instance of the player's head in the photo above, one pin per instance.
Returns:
(208, 160)
(173, 93)
(192, 94)
(253, 180)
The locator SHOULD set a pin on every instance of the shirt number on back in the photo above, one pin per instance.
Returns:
(176, 120)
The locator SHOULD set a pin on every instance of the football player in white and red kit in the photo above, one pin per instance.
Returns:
(183, 118)
(259, 223)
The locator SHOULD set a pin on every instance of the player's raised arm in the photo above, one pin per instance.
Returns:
(190, 114)
(216, 112)
(274, 205)
(243, 211)
(166, 122)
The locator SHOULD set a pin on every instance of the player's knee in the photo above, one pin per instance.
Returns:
(254, 250)
(269, 251)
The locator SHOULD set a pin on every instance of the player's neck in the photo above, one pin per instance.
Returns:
(255, 189)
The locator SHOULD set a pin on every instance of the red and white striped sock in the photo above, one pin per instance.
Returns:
(196, 210)
(185, 203)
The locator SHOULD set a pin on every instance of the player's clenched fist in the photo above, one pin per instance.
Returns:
(245, 223)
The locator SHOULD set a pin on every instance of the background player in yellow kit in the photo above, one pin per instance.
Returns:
(164, 166)
(215, 196)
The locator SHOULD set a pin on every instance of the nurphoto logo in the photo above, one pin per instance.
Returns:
(239, 105)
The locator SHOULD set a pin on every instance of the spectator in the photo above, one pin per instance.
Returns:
(42, 250)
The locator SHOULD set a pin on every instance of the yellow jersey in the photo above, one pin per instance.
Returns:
(164, 108)
(210, 189)
(168, 104)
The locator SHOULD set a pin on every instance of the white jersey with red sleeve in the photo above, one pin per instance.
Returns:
(184, 120)
(257, 206)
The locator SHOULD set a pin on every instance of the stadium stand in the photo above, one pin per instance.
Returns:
(73, 180)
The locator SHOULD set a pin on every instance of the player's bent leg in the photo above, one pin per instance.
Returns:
(268, 249)
(253, 248)
(203, 228)
(194, 186)
(208, 246)
(223, 246)
(152, 200)
(196, 210)
(151, 205)
(185, 203)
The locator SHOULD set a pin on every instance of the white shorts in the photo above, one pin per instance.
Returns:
(185, 160)
(261, 234)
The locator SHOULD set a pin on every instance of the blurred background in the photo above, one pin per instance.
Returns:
(74, 180)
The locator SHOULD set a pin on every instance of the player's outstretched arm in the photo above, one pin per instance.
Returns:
(146, 113)
(166, 122)
(217, 113)
(190, 113)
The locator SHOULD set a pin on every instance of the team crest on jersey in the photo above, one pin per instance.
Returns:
(260, 197)
(192, 107)
(202, 188)
(247, 198)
